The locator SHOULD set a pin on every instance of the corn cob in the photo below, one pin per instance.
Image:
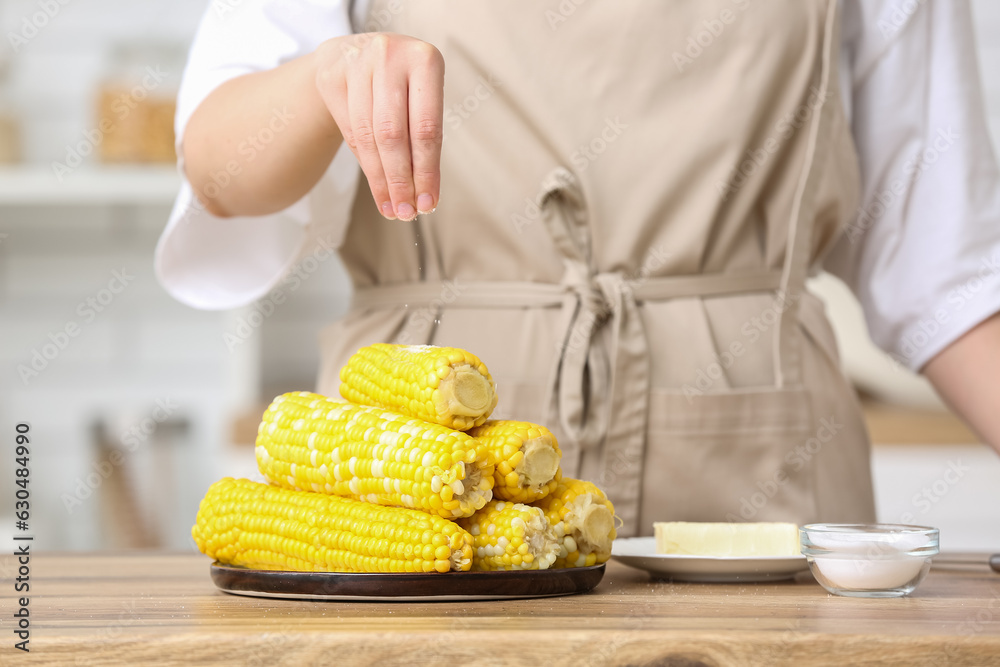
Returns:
(443, 385)
(510, 536)
(526, 457)
(583, 520)
(265, 527)
(310, 443)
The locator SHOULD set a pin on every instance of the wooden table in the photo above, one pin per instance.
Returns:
(143, 609)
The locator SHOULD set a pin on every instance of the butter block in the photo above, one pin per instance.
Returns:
(727, 539)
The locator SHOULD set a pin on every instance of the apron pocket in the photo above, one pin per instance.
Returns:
(734, 456)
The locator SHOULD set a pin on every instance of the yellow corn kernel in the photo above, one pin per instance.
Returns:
(443, 385)
(265, 527)
(510, 536)
(311, 443)
(526, 456)
(583, 520)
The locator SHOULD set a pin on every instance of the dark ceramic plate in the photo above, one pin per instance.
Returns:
(401, 587)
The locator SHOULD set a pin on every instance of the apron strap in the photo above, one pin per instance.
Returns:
(787, 356)
(500, 294)
(601, 387)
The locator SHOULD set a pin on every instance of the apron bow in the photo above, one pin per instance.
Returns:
(602, 373)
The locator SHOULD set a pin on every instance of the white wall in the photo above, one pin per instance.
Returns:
(144, 347)
(55, 75)
(954, 488)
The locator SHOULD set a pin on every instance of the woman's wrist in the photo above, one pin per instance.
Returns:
(315, 66)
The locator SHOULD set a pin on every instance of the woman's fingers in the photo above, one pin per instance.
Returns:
(392, 132)
(426, 111)
(386, 94)
(332, 88)
(360, 107)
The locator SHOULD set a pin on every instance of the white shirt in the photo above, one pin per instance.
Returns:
(923, 255)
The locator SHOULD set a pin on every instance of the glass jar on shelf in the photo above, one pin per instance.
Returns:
(10, 125)
(136, 103)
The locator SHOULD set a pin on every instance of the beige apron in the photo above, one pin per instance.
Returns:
(633, 194)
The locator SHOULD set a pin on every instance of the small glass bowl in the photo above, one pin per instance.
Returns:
(880, 560)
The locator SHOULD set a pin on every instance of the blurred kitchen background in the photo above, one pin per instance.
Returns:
(138, 403)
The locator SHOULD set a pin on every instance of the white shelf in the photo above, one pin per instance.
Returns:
(38, 185)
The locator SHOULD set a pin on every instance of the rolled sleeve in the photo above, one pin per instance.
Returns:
(923, 254)
(215, 263)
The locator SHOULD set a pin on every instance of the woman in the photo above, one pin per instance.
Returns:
(628, 200)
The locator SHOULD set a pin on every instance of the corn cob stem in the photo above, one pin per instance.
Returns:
(527, 458)
(591, 523)
(464, 392)
(539, 465)
(511, 536)
(582, 518)
(265, 527)
(311, 443)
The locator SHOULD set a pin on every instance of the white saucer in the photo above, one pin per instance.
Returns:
(640, 552)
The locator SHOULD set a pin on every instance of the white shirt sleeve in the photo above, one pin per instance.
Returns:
(923, 254)
(213, 263)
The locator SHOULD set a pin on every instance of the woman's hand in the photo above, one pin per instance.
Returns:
(382, 93)
(386, 93)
